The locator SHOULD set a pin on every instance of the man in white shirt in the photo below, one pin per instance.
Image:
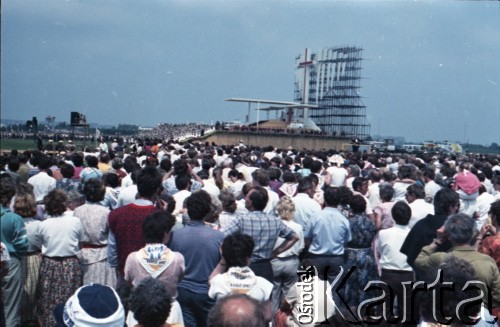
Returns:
(483, 204)
(393, 264)
(415, 195)
(373, 194)
(128, 193)
(305, 206)
(42, 182)
(183, 184)
(431, 187)
(339, 175)
(261, 178)
(360, 187)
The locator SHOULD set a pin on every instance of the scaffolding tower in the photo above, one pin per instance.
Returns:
(331, 79)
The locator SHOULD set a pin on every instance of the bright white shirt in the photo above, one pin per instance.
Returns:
(389, 242)
(298, 246)
(431, 188)
(373, 194)
(240, 280)
(127, 195)
(400, 190)
(419, 209)
(483, 204)
(210, 188)
(127, 181)
(179, 198)
(339, 175)
(272, 201)
(236, 187)
(305, 208)
(61, 235)
(42, 185)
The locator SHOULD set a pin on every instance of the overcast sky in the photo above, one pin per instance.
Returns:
(431, 68)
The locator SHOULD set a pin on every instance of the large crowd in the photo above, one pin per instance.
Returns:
(170, 233)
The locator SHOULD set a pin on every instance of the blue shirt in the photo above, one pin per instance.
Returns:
(329, 232)
(199, 244)
(13, 233)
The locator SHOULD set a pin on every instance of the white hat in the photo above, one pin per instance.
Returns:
(94, 305)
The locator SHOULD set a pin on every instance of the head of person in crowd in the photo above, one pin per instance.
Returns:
(274, 173)
(316, 166)
(386, 192)
(388, 176)
(94, 190)
(406, 172)
(111, 180)
(228, 201)
(157, 226)
(235, 175)
(459, 229)
(7, 191)
(117, 163)
(75, 199)
(166, 164)
(148, 182)
(181, 166)
(333, 196)
(199, 205)
(13, 163)
(285, 208)
(104, 157)
(151, 161)
(256, 199)
(357, 204)
(429, 174)
(449, 308)
(168, 199)
(246, 189)
(446, 202)
(91, 305)
(237, 250)
(496, 182)
(414, 192)
(91, 161)
(260, 177)
(236, 310)
(354, 171)
(183, 182)
(77, 159)
(374, 175)
(217, 176)
(130, 164)
(360, 184)
(345, 195)
(67, 170)
(289, 177)
(495, 213)
(56, 202)
(307, 186)
(25, 205)
(44, 163)
(306, 162)
(401, 213)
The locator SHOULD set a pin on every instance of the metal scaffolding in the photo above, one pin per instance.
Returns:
(331, 79)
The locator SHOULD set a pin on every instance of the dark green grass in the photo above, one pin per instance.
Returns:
(7, 145)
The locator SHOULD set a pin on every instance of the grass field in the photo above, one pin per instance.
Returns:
(28, 144)
(7, 145)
